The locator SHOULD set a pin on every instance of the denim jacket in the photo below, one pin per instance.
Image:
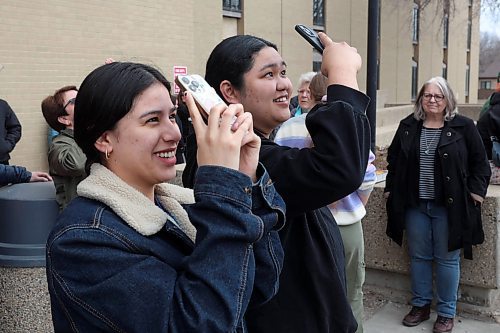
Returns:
(116, 262)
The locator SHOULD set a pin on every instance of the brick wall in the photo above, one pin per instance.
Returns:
(49, 44)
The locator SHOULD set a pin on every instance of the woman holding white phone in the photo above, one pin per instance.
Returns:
(134, 254)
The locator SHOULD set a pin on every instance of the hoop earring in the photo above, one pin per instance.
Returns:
(107, 154)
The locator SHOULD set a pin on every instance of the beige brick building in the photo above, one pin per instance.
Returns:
(51, 43)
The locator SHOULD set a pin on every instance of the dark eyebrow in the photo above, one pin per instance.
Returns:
(157, 112)
(273, 65)
(149, 113)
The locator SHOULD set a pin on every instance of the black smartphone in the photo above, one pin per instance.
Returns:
(311, 36)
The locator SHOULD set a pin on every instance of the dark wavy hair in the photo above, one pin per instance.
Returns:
(53, 108)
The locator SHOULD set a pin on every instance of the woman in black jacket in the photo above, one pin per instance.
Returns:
(249, 70)
(437, 180)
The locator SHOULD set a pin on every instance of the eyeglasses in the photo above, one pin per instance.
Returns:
(71, 101)
(437, 98)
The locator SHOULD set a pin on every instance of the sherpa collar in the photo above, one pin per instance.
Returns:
(134, 207)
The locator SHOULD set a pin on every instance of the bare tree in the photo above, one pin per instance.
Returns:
(489, 48)
(450, 5)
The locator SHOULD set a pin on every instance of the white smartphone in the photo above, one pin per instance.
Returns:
(204, 95)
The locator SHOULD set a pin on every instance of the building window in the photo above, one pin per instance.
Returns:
(319, 13)
(469, 34)
(444, 71)
(486, 85)
(445, 31)
(232, 5)
(414, 80)
(415, 23)
(467, 80)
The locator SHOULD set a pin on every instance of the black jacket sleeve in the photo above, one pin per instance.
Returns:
(479, 169)
(392, 158)
(311, 178)
(12, 129)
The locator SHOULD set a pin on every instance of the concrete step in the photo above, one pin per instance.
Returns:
(392, 115)
(384, 134)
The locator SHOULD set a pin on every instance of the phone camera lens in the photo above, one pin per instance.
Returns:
(194, 83)
(185, 80)
(192, 87)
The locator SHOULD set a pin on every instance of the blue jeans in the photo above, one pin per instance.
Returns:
(427, 233)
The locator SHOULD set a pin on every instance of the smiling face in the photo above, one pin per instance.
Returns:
(142, 145)
(266, 90)
(432, 107)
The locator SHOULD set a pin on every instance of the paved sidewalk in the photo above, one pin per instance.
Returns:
(388, 319)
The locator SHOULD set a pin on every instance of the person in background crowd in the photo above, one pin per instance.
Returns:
(347, 211)
(51, 134)
(185, 123)
(302, 102)
(179, 153)
(486, 104)
(13, 174)
(10, 131)
(249, 70)
(438, 174)
(488, 126)
(133, 253)
(66, 159)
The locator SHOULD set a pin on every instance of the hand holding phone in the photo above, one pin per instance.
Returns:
(203, 94)
(311, 36)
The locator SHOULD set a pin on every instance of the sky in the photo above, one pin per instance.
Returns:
(489, 23)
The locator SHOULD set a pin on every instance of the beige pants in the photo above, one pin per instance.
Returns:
(354, 248)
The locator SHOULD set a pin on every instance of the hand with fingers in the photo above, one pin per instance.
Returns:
(225, 141)
(341, 62)
(250, 146)
(39, 176)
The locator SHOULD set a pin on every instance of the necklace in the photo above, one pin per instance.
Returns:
(428, 144)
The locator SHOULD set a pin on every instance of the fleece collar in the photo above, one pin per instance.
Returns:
(134, 207)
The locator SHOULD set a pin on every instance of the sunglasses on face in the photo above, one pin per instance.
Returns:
(437, 97)
(71, 101)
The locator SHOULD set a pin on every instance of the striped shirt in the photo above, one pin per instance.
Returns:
(429, 139)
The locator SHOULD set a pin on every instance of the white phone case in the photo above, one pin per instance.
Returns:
(203, 94)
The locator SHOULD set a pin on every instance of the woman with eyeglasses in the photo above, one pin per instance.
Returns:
(303, 99)
(437, 180)
(66, 159)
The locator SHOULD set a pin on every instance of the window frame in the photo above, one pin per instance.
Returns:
(415, 24)
(318, 12)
